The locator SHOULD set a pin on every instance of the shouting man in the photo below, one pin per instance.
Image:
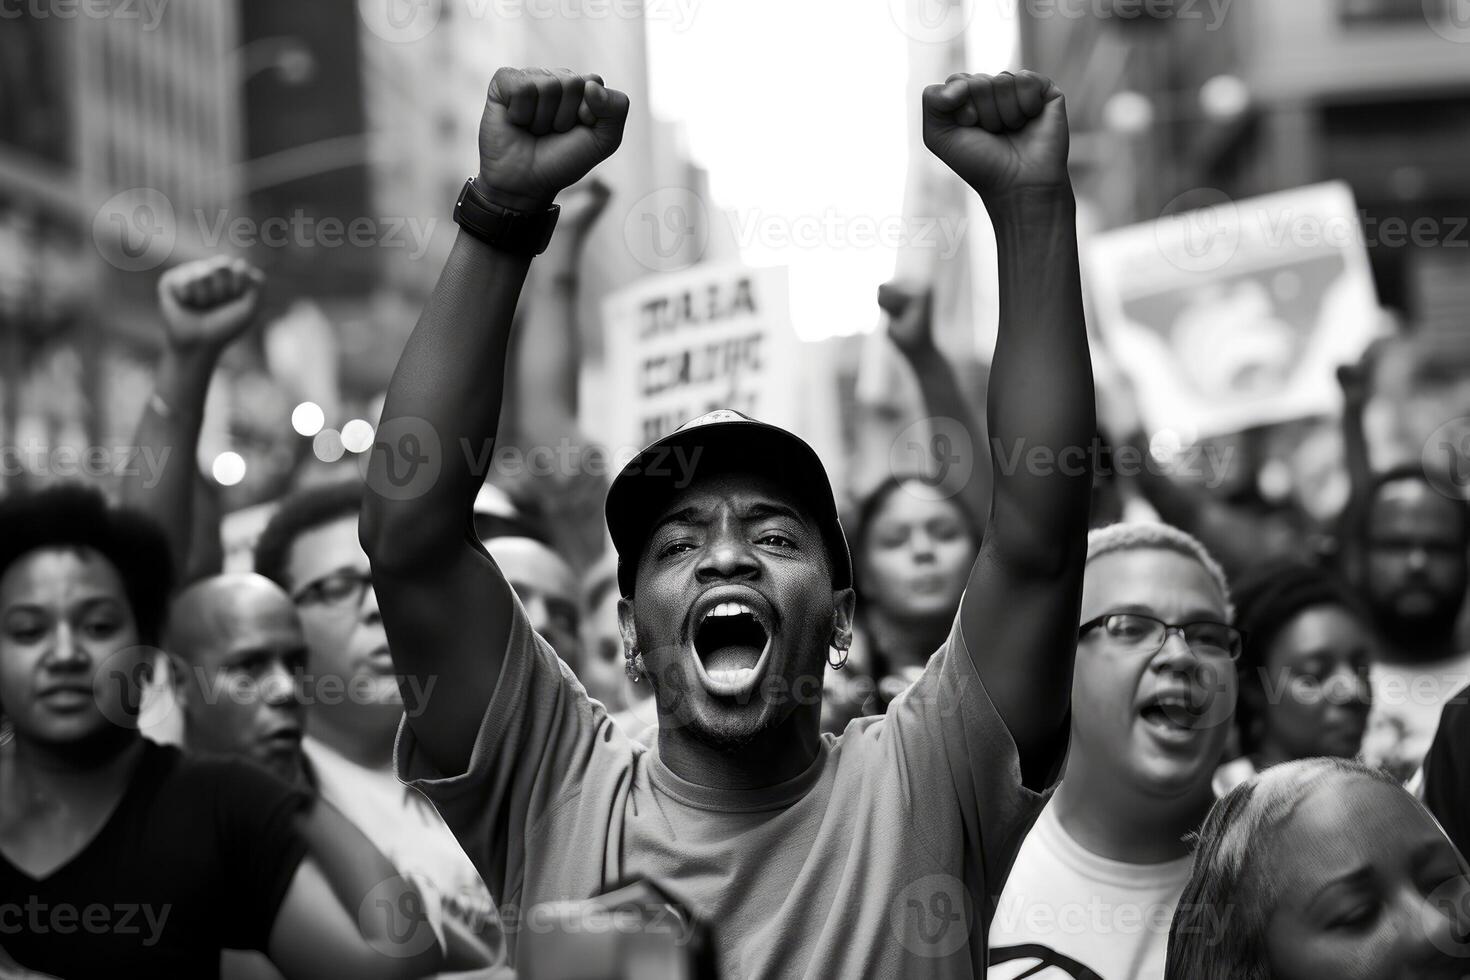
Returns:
(878, 853)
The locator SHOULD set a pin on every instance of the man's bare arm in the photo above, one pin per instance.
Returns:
(1007, 137)
(205, 306)
(446, 607)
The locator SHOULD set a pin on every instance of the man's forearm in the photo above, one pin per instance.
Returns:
(1042, 414)
(443, 402)
(944, 399)
(160, 481)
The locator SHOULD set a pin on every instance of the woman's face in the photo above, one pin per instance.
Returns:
(1317, 692)
(917, 555)
(1369, 889)
(63, 615)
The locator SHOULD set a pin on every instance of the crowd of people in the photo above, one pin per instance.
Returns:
(989, 730)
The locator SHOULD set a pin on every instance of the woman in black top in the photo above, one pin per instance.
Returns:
(120, 857)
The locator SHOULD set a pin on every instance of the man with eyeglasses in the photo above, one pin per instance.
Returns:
(1096, 881)
(310, 549)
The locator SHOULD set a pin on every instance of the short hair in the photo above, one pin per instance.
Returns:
(1269, 596)
(1228, 861)
(1141, 535)
(298, 513)
(1359, 513)
(74, 515)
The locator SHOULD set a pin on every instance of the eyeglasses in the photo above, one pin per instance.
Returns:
(1145, 635)
(339, 590)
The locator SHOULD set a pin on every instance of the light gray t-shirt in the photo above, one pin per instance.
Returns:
(883, 859)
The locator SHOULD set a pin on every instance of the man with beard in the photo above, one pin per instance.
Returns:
(877, 853)
(1408, 553)
(1096, 882)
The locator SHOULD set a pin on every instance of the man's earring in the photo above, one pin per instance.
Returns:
(841, 642)
(634, 665)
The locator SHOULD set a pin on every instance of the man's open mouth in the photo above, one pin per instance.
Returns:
(1173, 713)
(731, 647)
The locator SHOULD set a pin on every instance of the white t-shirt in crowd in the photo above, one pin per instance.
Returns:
(1066, 912)
(1407, 701)
(412, 836)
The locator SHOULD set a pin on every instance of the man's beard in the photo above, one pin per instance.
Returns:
(1419, 638)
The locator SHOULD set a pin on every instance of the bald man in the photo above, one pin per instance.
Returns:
(239, 648)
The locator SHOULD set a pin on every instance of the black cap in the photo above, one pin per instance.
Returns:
(722, 441)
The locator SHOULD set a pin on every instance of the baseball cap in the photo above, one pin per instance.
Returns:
(722, 441)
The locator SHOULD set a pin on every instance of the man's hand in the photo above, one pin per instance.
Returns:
(542, 131)
(208, 303)
(910, 310)
(1002, 134)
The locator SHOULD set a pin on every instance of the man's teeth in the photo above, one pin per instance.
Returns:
(730, 609)
(737, 675)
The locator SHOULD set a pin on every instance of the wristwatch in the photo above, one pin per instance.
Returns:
(517, 232)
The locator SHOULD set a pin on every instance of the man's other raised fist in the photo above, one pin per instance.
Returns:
(209, 302)
(542, 131)
(1002, 134)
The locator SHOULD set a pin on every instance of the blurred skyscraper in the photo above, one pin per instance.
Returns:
(116, 121)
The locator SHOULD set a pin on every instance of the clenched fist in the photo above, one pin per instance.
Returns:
(1002, 134)
(542, 131)
(209, 302)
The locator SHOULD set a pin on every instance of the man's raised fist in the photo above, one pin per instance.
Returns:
(209, 302)
(1002, 134)
(542, 131)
